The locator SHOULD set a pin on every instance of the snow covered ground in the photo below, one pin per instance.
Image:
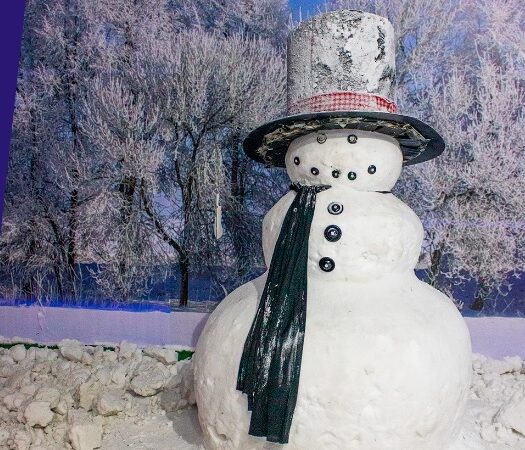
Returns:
(86, 397)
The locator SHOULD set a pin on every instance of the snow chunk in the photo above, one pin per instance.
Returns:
(126, 350)
(87, 392)
(164, 355)
(179, 392)
(150, 378)
(6, 366)
(512, 415)
(14, 400)
(110, 402)
(85, 436)
(50, 395)
(71, 349)
(38, 413)
(18, 352)
(22, 440)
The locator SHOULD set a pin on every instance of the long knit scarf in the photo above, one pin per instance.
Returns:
(271, 361)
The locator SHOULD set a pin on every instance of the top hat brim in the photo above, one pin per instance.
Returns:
(418, 141)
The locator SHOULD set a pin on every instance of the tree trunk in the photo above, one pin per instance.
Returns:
(435, 265)
(70, 83)
(27, 288)
(184, 263)
(71, 241)
(184, 270)
(481, 294)
(238, 194)
(58, 280)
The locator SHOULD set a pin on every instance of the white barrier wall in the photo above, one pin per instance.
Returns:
(496, 337)
(89, 326)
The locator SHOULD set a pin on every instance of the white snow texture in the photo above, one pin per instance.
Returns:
(168, 421)
(84, 397)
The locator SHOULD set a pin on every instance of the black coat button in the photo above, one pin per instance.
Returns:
(335, 208)
(332, 233)
(326, 264)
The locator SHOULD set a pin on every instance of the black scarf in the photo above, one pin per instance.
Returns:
(271, 360)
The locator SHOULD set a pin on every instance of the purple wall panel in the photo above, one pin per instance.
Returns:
(11, 16)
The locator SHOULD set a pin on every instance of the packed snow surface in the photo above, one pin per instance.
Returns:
(86, 397)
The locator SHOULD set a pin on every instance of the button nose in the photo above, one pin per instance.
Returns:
(332, 233)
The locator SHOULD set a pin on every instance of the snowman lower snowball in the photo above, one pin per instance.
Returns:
(338, 345)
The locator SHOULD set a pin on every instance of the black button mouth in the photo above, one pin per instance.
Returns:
(352, 139)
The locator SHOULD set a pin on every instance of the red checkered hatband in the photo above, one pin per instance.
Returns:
(343, 101)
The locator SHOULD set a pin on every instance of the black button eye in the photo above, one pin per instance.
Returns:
(314, 170)
(335, 208)
(326, 264)
(371, 169)
(352, 176)
(332, 233)
(336, 173)
(352, 139)
(296, 160)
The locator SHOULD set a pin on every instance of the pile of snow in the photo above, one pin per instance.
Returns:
(495, 417)
(86, 397)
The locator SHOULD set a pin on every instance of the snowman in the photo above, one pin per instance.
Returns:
(338, 345)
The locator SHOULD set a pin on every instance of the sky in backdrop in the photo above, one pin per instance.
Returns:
(307, 7)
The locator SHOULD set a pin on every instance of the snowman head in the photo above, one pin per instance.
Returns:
(353, 159)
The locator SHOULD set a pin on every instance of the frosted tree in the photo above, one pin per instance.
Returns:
(476, 211)
(99, 131)
(122, 115)
(216, 88)
(166, 114)
(52, 188)
(251, 188)
(267, 19)
(121, 125)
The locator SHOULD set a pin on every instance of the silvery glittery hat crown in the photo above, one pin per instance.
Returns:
(341, 71)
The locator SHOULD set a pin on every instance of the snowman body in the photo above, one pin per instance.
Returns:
(386, 358)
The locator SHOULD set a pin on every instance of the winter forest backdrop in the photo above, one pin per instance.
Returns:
(130, 117)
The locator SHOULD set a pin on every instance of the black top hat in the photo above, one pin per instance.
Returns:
(341, 70)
